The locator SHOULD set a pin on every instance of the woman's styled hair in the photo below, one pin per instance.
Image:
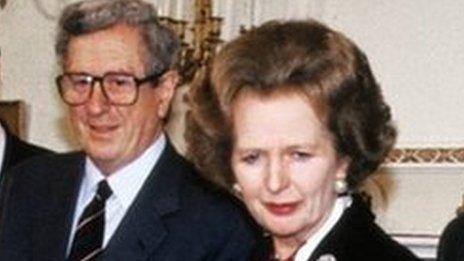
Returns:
(94, 15)
(305, 57)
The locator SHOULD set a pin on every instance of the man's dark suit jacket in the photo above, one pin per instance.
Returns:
(451, 246)
(175, 216)
(355, 237)
(15, 152)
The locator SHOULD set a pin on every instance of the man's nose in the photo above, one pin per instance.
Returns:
(98, 102)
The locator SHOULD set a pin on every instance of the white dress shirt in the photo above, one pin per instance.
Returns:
(305, 251)
(125, 184)
(2, 146)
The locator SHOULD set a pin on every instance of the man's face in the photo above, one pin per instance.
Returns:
(113, 136)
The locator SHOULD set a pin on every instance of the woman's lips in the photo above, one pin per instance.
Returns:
(282, 209)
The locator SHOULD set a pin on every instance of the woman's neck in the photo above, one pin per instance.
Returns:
(286, 246)
(308, 238)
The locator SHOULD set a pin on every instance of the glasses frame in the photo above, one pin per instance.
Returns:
(154, 78)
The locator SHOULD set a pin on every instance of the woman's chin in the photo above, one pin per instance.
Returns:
(284, 229)
(289, 227)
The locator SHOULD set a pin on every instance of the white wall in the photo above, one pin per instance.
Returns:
(28, 68)
(414, 47)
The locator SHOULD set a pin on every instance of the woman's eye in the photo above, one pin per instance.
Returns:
(250, 158)
(301, 155)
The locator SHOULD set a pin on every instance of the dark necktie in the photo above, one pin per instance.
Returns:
(88, 238)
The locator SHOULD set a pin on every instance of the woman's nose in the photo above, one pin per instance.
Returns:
(277, 178)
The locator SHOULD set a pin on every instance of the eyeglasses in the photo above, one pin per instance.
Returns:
(118, 88)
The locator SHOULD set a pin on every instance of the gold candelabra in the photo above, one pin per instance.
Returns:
(200, 38)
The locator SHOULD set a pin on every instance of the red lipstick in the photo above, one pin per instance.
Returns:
(281, 209)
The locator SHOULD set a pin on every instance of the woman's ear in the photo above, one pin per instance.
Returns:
(340, 184)
(342, 168)
(237, 190)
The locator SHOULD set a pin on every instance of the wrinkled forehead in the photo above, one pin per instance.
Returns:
(120, 42)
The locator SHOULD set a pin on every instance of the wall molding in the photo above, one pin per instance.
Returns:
(424, 246)
(438, 155)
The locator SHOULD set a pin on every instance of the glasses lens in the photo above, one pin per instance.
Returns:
(75, 88)
(120, 88)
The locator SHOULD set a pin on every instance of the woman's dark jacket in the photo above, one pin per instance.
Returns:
(355, 237)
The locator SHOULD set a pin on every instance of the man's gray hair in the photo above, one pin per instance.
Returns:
(90, 16)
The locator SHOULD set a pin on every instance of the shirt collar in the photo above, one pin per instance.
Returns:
(2, 146)
(126, 182)
(341, 204)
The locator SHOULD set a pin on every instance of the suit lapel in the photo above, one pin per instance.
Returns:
(52, 235)
(16, 151)
(344, 238)
(13, 153)
(142, 229)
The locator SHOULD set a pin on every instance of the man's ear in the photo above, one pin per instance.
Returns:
(166, 90)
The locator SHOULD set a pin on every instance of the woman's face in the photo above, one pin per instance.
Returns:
(284, 163)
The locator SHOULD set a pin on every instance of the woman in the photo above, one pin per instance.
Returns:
(290, 118)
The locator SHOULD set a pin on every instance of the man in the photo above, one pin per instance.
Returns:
(129, 195)
(13, 151)
(451, 246)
